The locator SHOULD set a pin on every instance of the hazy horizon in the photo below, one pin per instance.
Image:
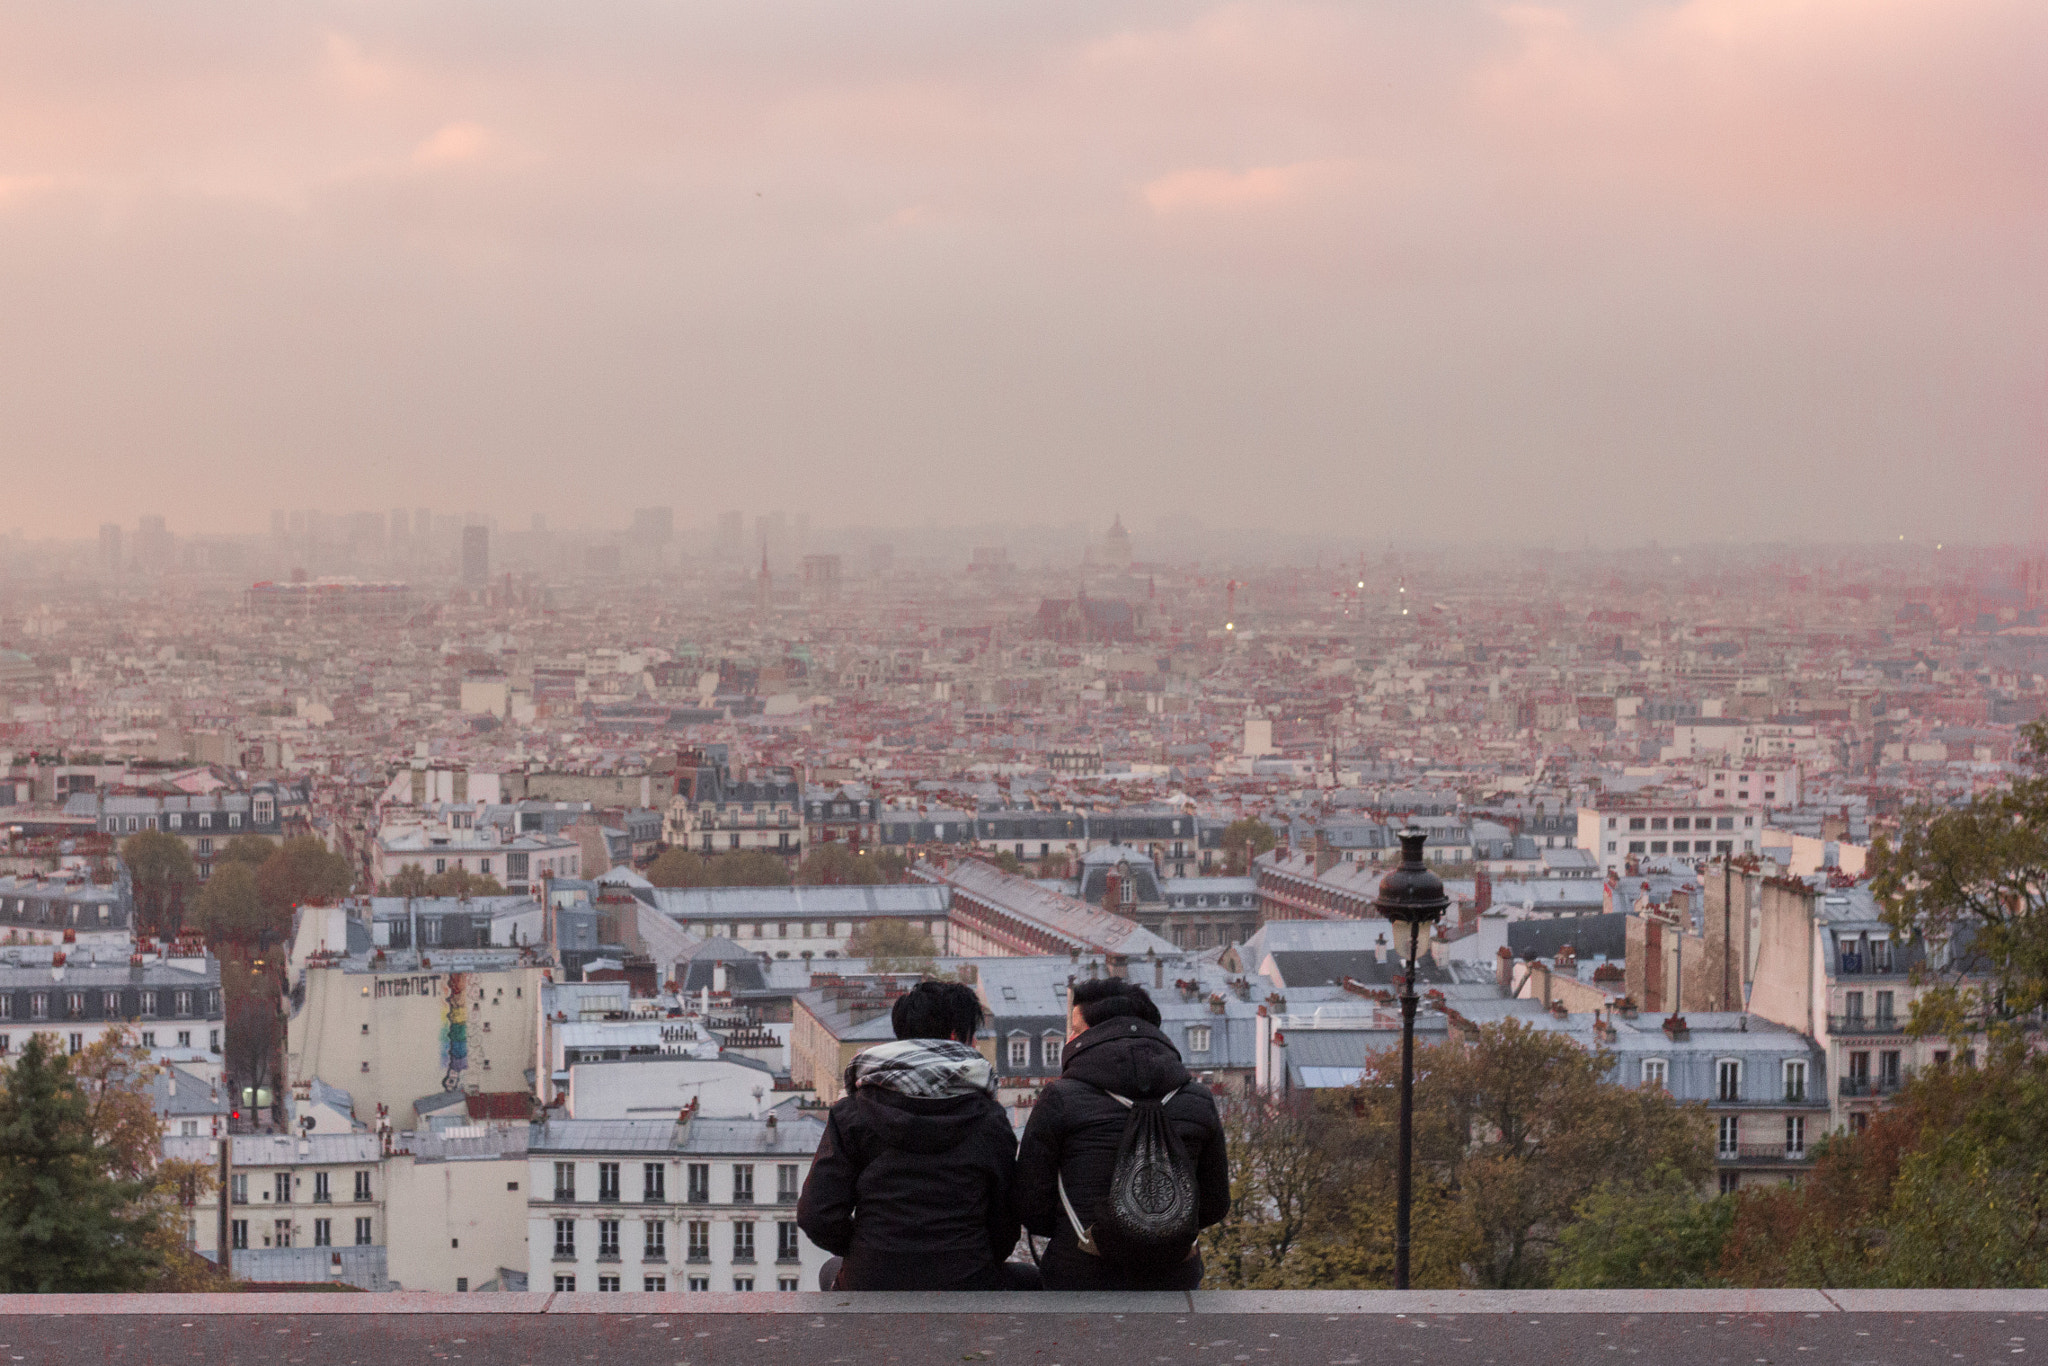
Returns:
(1602, 271)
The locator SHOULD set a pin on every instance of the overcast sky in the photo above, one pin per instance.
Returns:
(1624, 269)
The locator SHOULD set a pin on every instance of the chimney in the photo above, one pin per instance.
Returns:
(1379, 949)
(1503, 967)
(1482, 892)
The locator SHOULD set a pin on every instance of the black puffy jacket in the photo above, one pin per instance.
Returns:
(1074, 1131)
(913, 1192)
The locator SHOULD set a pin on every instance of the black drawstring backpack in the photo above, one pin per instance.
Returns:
(1150, 1216)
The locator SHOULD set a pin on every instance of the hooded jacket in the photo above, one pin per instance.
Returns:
(1074, 1132)
(911, 1183)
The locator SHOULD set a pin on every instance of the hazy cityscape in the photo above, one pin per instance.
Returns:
(804, 665)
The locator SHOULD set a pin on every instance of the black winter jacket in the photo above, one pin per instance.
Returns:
(913, 1192)
(1074, 1131)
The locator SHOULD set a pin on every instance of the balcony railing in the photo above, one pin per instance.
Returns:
(1871, 1086)
(1762, 1152)
(1866, 1024)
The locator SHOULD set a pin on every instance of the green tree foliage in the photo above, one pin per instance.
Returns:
(892, 863)
(746, 868)
(1008, 861)
(409, 880)
(228, 908)
(161, 867)
(893, 946)
(460, 881)
(69, 1219)
(677, 867)
(254, 850)
(1659, 1234)
(303, 872)
(1244, 840)
(834, 864)
(1516, 1130)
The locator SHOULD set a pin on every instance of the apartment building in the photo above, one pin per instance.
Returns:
(303, 1210)
(67, 907)
(519, 862)
(168, 999)
(205, 821)
(715, 811)
(1622, 830)
(798, 922)
(686, 1203)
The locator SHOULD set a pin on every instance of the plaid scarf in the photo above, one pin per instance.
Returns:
(934, 1069)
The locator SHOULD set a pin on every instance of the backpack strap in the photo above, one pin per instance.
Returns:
(1083, 1239)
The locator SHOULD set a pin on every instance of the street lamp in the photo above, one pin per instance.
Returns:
(1410, 895)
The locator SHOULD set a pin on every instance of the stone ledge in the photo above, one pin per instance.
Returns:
(1433, 1303)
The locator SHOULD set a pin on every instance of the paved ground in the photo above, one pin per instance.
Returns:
(1046, 1336)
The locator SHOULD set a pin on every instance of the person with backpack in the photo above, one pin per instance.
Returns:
(911, 1182)
(1122, 1163)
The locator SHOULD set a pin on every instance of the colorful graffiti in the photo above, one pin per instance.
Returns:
(455, 1031)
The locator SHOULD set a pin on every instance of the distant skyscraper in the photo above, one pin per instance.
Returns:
(654, 526)
(476, 555)
(401, 526)
(153, 544)
(110, 547)
(732, 532)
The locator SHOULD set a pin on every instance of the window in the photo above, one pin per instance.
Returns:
(1728, 1085)
(1888, 1069)
(654, 1284)
(323, 1233)
(654, 1182)
(565, 1181)
(1657, 823)
(1636, 847)
(462, 1285)
(700, 1183)
(283, 1188)
(786, 1283)
(183, 1001)
(238, 1188)
(1657, 846)
(74, 1004)
(743, 1241)
(1881, 958)
(1885, 1000)
(786, 1183)
(1730, 1181)
(654, 1245)
(565, 1239)
(362, 1185)
(1050, 1048)
(565, 1284)
(698, 1247)
(1731, 1134)
(1020, 1052)
(363, 1231)
(281, 1232)
(786, 1246)
(1859, 1069)
(743, 1282)
(1795, 1135)
(1852, 1006)
(700, 1282)
(323, 1191)
(149, 1003)
(743, 1183)
(1795, 1082)
(1198, 1038)
(110, 1003)
(608, 1183)
(1656, 1072)
(607, 1240)
(1635, 822)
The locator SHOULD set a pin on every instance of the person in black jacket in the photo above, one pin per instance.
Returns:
(911, 1184)
(1115, 1046)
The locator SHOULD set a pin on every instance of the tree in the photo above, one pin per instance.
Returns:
(116, 1076)
(1972, 883)
(746, 868)
(834, 864)
(892, 946)
(1661, 1234)
(892, 863)
(459, 881)
(677, 867)
(1519, 1126)
(161, 868)
(409, 880)
(1008, 861)
(254, 850)
(229, 910)
(68, 1220)
(250, 995)
(303, 872)
(1244, 840)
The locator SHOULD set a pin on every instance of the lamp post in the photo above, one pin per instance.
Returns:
(1409, 895)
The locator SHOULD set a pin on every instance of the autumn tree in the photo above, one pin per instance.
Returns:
(160, 866)
(459, 881)
(252, 849)
(835, 864)
(1657, 1234)
(303, 872)
(70, 1218)
(746, 868)
(1244, 840)
(254, 1029)
(409, 880)
(892, 864)
(677, 867)
(228, 908)
(892, 946)
(1008, 861)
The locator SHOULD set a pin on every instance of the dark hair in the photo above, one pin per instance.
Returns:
(937, 1010)
(1108, 997)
